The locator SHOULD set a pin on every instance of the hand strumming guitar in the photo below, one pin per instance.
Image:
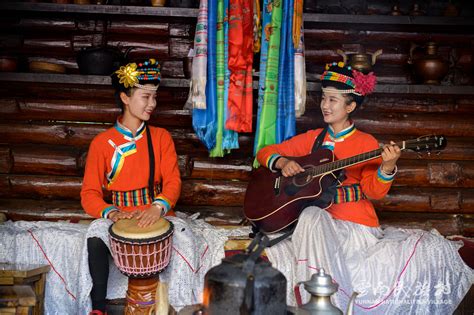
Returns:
(288, 167)
(390, 154)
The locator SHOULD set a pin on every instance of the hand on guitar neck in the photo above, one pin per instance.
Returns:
(390, 155)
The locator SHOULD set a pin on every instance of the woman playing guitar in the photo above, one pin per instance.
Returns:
(395, 271)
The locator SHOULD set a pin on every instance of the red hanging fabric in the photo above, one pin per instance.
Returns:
(240, 65)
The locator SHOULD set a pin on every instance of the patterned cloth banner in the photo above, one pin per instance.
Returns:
(220, 72)
(266, 23)
(199, 69)
(267, 125)
(285, 126)
(205, 120)
(231, 138)
(240, 65)
(300, 68)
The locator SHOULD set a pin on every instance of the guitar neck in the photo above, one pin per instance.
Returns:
(357, 159)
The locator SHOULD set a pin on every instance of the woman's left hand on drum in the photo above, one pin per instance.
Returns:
(150, 215)
(118, 215)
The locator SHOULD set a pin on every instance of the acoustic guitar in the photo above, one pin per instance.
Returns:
(274, 202)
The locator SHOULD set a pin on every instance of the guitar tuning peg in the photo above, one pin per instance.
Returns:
(429, 153)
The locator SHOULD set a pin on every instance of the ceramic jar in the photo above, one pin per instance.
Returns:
(430, 67)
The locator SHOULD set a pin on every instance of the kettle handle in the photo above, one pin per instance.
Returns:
(375, 55)
(342, 54)
(125, 54)
(413, 46)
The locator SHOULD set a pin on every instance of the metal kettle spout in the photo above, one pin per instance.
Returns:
(350, 306)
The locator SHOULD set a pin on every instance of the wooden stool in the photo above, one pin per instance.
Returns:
(16, 299)
(33, 275)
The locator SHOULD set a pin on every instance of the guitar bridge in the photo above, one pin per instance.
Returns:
(276, 186)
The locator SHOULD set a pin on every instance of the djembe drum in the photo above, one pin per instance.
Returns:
(140, 254)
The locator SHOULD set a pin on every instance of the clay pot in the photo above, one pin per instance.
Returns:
(183, 3)
(46, 67)
(8, 64)
(430, 67)
(158, 3)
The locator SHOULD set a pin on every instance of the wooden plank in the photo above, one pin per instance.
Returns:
(446, 224)
(180, 50)
(99, 9)
(418, 199)
(78, 79)
(49, 210)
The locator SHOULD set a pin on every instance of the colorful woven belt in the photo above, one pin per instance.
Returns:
(349, 193)
(133, 198)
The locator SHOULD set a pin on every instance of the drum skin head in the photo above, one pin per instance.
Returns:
(128, 228)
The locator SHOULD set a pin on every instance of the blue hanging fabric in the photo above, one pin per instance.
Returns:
(266, 19)
(205, 120)
(231, 138)
(285, 127)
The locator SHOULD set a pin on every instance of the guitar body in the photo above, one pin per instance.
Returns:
(273, 202)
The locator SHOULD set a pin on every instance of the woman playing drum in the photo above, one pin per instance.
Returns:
(120, 161)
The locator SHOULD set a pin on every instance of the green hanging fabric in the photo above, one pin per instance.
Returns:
(220, 72)
(267, 127)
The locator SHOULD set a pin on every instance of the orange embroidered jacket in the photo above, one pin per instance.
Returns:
(119, 162)
(373, 182)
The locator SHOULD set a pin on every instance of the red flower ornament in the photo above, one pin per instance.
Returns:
(364, 83)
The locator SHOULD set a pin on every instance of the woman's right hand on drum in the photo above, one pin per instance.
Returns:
(118, 215)
(150, 215)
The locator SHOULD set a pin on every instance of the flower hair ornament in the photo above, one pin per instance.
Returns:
(137, 75)
(347, 80)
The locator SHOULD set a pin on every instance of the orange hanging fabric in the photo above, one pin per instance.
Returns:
(240, 66)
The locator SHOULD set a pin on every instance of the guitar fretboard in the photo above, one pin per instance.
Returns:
(353, 160)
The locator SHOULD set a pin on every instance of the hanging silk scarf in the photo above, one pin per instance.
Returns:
(231, 138)
(267, 127)
(257, 27)
(220, 72)
(199, 68)
(240, 65)
(300, 68)
(297, 21)
(205, 120)
(285, 126)
(267, 15)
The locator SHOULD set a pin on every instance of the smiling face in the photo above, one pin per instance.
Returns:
(335, 109)
(139, 106)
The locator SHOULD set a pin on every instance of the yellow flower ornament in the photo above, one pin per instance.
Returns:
(128, 75)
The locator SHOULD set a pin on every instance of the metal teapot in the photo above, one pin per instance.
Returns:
(361, 61)
(321, 287)
(101, 60)
(245, 284)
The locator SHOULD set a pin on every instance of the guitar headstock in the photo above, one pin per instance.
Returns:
(426, 143)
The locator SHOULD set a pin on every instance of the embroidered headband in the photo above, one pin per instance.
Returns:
(133, 75)
(347, 80)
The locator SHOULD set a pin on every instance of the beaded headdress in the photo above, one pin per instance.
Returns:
(137, 75)
(347, 80)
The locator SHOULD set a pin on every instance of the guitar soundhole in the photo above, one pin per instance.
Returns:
(303, 178)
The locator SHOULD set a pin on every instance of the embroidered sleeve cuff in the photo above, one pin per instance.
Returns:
(162, 201)
(105, 213)
(271, 162)
(384, 177)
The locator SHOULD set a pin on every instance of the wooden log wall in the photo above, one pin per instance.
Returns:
(45, 128)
